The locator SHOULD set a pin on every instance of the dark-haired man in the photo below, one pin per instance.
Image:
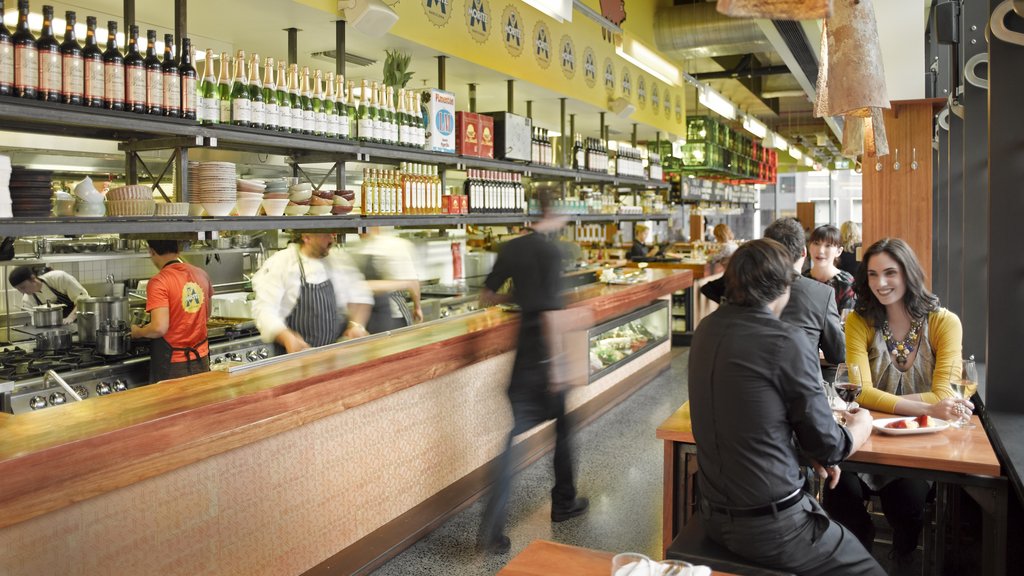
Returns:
(812, 305)
(178, 302)
(755, 404)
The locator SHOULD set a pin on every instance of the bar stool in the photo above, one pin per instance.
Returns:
(694, 546)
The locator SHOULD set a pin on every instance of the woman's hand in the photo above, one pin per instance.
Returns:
(950, 409)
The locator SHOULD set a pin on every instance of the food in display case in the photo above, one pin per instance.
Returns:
(627, 336)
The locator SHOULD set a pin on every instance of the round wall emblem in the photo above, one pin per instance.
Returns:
(478, 19)
(627, 83)
(655, 98)
(512, 30)
(589, 67)
(567, 56)
(668, 103)
(679, 109)
(609, 77)
(542, 44)
(641, 90)
(438, 12)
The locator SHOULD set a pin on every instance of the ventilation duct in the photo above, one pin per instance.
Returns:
(699, 31)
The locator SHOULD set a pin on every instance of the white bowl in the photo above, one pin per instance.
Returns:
(275, 206)
(218, 208)
(195, 209)
(248, 206)
(320, 210)
(299, 195)
(296, 210)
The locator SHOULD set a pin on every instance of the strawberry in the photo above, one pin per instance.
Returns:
(924, 421)
(903, 424)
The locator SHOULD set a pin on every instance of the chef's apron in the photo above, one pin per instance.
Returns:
(315, 316)
(381, 319)
(160, 353)
(62, 298)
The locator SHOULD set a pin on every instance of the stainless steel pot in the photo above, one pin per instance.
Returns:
(47, 315)
(241, 241)
(113, 339)
(56, 340)
(96, 312)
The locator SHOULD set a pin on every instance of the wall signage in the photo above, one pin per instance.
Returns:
(512, 30)
(609, 77)
(567, 56)
(679, 109)
(542, 44)
(627, 83)
(439, 12)
(655, 100)
(668, 104)
(641, 90)
(590, 67)
(478, 19)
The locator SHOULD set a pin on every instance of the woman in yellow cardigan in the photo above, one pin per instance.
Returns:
(907, 348)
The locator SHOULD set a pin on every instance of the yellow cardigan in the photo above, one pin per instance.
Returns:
(945, 335)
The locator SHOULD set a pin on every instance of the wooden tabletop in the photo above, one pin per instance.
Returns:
(950, 450)
(544, 558)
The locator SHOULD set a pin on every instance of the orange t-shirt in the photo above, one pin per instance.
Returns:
(185, 291)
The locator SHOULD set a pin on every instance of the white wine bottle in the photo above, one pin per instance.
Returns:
(273, 113)
(259, 109)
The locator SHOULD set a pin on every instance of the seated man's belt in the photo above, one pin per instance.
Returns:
(773, 508)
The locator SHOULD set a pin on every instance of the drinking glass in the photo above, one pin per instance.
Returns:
(848, 385)
(632, 564)
(672, 567)
(964, 387)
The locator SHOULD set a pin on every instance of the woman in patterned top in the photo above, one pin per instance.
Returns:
(824, 249)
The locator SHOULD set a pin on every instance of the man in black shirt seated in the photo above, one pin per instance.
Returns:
(756, 406)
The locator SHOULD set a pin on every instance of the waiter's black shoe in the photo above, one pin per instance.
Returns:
(500, 544)
(563, 512)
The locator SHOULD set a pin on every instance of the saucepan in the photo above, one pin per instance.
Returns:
(47, 315)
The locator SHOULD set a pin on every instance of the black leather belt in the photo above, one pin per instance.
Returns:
(773, 508)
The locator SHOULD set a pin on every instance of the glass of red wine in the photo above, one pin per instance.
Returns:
(848, 385)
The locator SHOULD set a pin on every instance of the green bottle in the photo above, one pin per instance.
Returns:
(329, 109)
(224, 89)
(340, 109)
(259, 108)
(284, 103)
(241, 105)
(270, 96)
(350, 107)
(293, 96)
(317, 103)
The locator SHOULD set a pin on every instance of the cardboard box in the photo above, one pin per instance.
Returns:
(486, 136)
(467, 124)
(449, 205)
(512, 136)
(439, 106)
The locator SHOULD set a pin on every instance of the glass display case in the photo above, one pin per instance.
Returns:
(619, 341)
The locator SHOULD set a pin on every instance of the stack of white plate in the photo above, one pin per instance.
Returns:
(214, 187)
(5, 190)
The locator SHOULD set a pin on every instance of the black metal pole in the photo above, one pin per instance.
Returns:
(561, 128)
(634, 135)
(441, 72)
(180, 23)
(529, 109)
(511, 85)
(129, 15)
(339, 69)
(601, 130)
(293, 45)
(472, 97)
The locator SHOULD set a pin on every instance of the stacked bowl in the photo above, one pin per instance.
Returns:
(30, 193)
(275, 197)
(135, 200)
(250, 197)
(212, 184)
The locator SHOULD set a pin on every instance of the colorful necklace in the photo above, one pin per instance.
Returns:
(902, 349)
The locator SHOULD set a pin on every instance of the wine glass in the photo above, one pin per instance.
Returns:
(964, 387)
(848, 384)
(632, 564)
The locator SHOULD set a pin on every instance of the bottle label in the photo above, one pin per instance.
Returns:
(308, 121)
(403, 134)
(259, 113)
(273, 115)
(241, 110)
(378, 129)
(321, 122)
(172, 92)
(94, 79)
(332, 125)
(284, 114)
(6, 64)
(344, 130)
(366, 128)
(113, 83)
(26, 72)
(49, 72)
(224, 111)
(74, 75)
(136, 93)
(154, 89)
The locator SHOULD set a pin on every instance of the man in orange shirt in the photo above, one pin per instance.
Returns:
(178, 301)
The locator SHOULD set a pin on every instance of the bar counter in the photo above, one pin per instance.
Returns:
(262, 446)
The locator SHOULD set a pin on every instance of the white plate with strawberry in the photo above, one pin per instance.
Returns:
(923, 424)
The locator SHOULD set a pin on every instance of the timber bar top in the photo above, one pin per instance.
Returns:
(55, 457)
(950, 450)
(544, 558)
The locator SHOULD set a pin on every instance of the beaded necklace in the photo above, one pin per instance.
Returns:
(902, 349)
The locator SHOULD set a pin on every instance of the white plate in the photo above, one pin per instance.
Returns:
(880, 424)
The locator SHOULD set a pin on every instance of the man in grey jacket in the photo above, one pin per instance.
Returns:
(812, 305)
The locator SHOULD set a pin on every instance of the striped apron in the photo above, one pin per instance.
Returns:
(315, 316)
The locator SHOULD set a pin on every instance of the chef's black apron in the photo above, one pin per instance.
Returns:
(62, 298)
(160, 352)
(315, 316)
(380, 317)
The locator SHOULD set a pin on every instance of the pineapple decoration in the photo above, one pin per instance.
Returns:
(396, 66)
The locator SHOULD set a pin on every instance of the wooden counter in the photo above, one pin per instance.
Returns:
(62, 455)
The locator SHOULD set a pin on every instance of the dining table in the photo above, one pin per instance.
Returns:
(546, 558)
(950, 458)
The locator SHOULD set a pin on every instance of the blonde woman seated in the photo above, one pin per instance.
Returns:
(850, 240)
(907, 347)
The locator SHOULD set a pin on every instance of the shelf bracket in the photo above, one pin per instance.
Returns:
(163, 172)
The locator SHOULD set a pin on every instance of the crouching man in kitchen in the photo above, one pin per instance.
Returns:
(309, 295)
(178, 301)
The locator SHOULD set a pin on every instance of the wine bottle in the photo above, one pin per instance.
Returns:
(49, 60)
(241, 106)
(188, 91)
(350, 108)
(113, 71)
(154, 77)
(72, 65)
(224, 89)
(306, 101)
(365, 122)
(298, 123)
(26, 57)
(171, 79)
(380, 115)
(317, 102)
(273, 115)
(203, 86)
(392, 115)
(329, 107)
(341, 109)
(92, 63)
(134, 74)
(259, 107)
(419, 122)
(284, 103)
(6, 57)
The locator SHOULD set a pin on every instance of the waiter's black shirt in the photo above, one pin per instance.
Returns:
(534, 263)
(755, 393)
(639, 250)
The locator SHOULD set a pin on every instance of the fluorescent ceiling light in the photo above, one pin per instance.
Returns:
(779, 142)
(808, 161)
(754, 126)
(560, 10)
(795, 153)
(649, 61)
(714, 101)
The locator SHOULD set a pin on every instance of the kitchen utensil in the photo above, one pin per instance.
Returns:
(98, 311)
(913, 162)
(46, 315)
(896, 164)
(241, 241)
(55, 339)
(113, 339)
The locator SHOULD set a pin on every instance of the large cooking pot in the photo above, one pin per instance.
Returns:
(113, 339)
(55, 340)
(47, 315)
(96, 312)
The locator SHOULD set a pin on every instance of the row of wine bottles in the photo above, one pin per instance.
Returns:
(412, 189)
(493, 192)
(67, 72)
